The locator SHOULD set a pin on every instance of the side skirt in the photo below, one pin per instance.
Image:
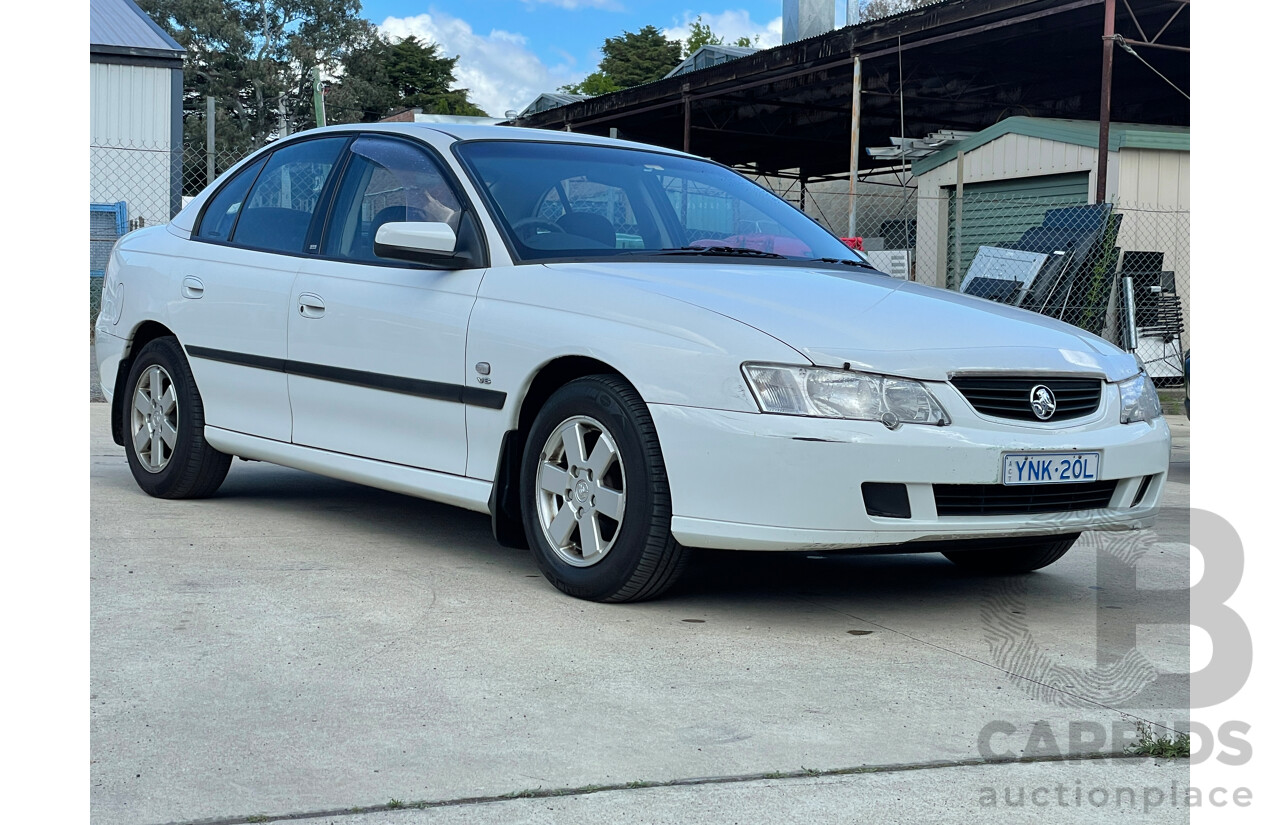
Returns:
(469, 493)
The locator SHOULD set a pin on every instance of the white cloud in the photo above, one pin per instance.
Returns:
(730, 25)
(608, 5)
(498, 68)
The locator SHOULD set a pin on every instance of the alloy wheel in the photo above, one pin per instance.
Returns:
(581, 491)
(154, 419)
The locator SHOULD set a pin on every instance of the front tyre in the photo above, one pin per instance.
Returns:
(594, 494)
(164, 441)
(1023, 557)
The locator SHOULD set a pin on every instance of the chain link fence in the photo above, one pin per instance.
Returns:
(1121, 271)
(131, 187)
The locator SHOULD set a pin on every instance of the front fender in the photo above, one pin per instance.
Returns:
(671, 351)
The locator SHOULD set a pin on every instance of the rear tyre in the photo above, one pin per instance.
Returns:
(594, 496)
(1022, 558)
(164, 426)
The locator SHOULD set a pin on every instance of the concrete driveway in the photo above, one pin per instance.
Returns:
(298, 647)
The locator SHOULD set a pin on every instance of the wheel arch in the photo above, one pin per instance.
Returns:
(143, 334)
(504, 501)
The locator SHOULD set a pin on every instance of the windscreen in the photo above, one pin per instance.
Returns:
(567, 200)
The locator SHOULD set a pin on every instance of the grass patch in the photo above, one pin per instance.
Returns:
(527, 793)
(1163, 746)
(1173, 400)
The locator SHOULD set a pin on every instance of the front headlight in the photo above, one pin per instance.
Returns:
(829, 393)
(1138, 400)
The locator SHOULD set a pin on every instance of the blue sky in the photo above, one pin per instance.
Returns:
(511, 50)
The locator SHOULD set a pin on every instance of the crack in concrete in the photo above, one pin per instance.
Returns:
(583, 790)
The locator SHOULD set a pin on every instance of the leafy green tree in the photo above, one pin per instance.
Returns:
(596, 83)
(381, 76)
(256, 58)
(422, 77)
(217, 47)
(365, 92)
(875, 9)
(700, 34)
(634, 58)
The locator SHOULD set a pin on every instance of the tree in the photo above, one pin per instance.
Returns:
(382, 75)
(592, 85)
(700, 34)
(422, 77)
(875, 9)
(256, 58)
(640, 57)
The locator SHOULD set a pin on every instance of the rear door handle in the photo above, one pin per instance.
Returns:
(192, 287)
(310, 305)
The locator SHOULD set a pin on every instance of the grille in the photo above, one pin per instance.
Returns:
(999, 500)
(1006, 397)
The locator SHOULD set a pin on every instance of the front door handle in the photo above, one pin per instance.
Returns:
(310, 305)
(192, 287)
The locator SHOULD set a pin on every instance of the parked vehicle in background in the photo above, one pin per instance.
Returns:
(619, 352)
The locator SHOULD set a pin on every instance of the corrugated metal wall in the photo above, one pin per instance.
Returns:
(129, 105)
(131, 127)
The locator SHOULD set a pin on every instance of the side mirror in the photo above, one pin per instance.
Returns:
(434, 244)
(421, 242)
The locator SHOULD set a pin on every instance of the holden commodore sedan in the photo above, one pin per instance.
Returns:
(618, 352)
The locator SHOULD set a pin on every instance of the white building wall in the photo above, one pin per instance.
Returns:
(130, 117)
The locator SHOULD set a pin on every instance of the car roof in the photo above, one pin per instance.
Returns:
(467, 131)
(185, 219)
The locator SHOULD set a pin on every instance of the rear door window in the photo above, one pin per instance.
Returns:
(278, 212)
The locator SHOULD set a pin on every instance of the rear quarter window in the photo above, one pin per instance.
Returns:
(219, 218)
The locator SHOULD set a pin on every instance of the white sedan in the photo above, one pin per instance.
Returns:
(618, 351)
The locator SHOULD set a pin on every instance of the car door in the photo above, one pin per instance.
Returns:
(235, 286)
(377, 347)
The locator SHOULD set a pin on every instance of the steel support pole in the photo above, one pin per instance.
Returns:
(855, 111)
(688, 123)
(210, 167)
(955, 272)
(1104, 113)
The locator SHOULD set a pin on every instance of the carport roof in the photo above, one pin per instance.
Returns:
(955, 65)
(1077, 132)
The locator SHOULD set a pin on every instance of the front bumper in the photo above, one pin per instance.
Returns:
(744, 481)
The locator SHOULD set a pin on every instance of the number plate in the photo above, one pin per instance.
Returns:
(1051, 468)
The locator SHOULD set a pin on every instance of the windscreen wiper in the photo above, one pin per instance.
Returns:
(846, 262)
(727, 251)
